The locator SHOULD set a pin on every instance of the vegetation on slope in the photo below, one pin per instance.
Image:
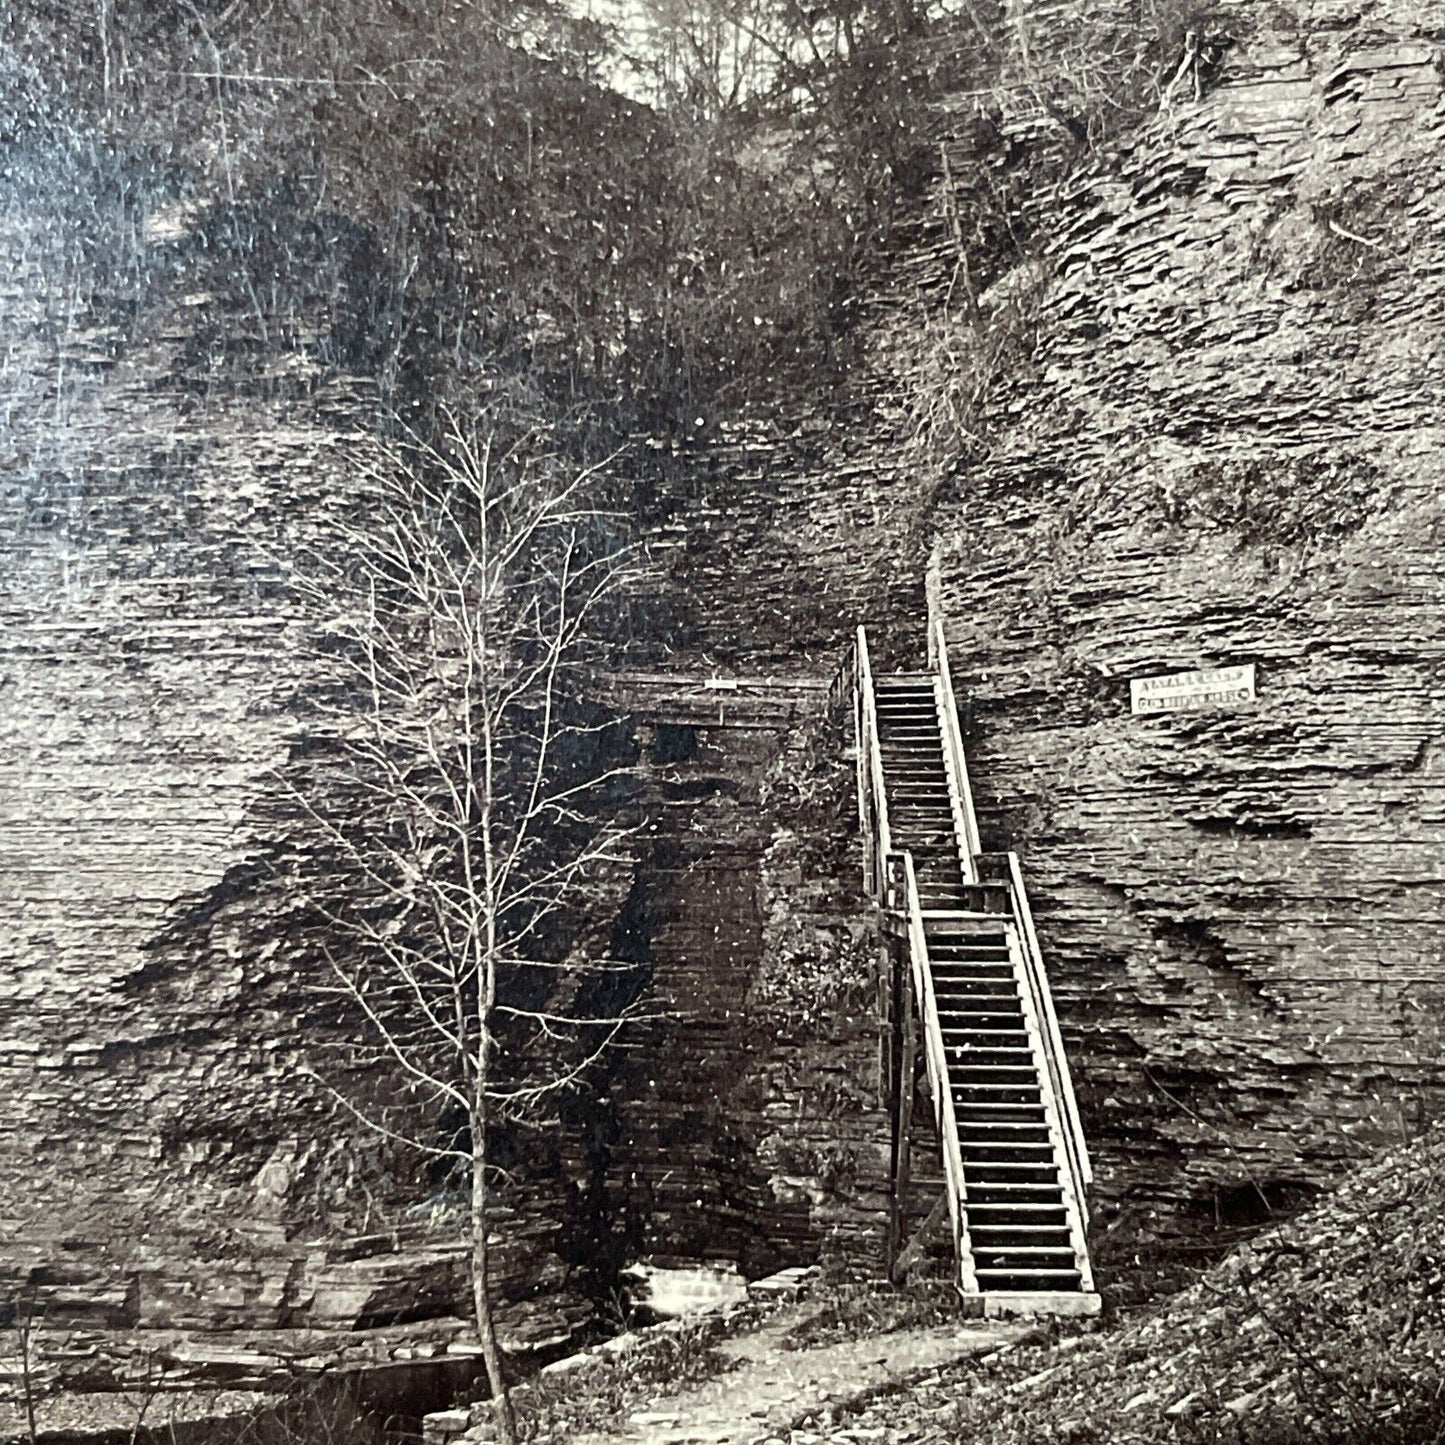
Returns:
(452, 191)
(1329, 1329)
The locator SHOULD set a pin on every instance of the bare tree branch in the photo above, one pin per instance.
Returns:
(457, 606)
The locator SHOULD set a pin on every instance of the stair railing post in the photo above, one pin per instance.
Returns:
(1051, 1036)
(933, 598)
(965, 823)
(877, 842)
(936, 1059)
(860, 752)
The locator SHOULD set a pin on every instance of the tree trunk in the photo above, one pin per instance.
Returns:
(481, 1283)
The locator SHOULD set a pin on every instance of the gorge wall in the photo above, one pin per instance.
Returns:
(169, 1163)
(1213, 443)
(172, 1168)
(1194, 427)
(1225, 450)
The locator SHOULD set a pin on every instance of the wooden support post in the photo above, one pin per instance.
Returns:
(923, 1236)
(905, 1086)
(887, 1020)
(891, 1041)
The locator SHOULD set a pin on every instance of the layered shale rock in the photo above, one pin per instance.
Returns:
(744, 1122)
(1206, 436)
(1226, 450)
(177, 1175)
(170, 1164)
(1190, 416)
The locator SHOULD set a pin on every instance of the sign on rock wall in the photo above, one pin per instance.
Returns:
(1214, 687)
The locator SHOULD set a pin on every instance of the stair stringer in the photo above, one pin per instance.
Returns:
(1072, 1204)
(940, 1084)
(955, 768)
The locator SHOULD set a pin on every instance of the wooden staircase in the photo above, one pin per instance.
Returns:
(973, 1033)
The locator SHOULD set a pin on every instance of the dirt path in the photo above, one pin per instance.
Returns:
(772, 1389)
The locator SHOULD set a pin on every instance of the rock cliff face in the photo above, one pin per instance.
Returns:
(745, 1124)
(146, 664)
(1204, 435)
(1226, 450)
(1214, 441)
(173, 1168)
(168, 1164)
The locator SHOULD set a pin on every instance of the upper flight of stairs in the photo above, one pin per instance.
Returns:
(920, 809)
(1021, 1193)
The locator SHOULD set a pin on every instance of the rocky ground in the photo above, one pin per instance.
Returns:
(1328, 1329)
(761, 1371)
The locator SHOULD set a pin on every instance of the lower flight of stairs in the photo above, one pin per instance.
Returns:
(1018, 1222)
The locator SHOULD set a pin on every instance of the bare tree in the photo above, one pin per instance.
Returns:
(463, 598)
(26, 1328)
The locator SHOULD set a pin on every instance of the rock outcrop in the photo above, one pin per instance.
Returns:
(1197, 429)
(170, 1164)
(1225, 450)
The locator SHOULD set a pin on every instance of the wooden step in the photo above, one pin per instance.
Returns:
(1027, 1255)
(984, 1215)
(994, 1046)
(1005, 1131)
(987, 1194)
(965, 1003)
(981, 1155)
(972, 1113)
(954, 996)
(971, 987)
(1008, 1189)
(994, 1235)
(988, 1056)
(990, 1102)
(989, 1041)
(986, 1173)
(968, 1065)
(990, 1160)
(996, 1021)
(961, 1012)
(983, 947)
(1019, 1280)
(977, 1023)
(970, 1076)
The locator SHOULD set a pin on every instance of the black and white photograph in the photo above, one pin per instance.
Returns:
(722, 722)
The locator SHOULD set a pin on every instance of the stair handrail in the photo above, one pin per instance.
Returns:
(1075, 1147)
(872, 798)
(965, 822)
(936, 1060)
